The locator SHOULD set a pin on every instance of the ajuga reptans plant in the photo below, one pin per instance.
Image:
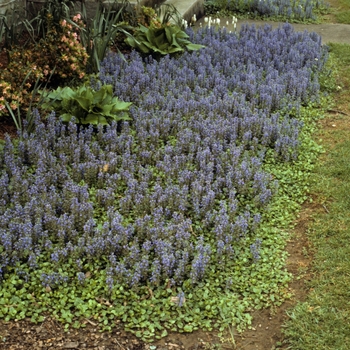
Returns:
(171, 196)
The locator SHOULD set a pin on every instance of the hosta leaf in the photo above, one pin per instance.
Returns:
(121, 116)
(106, 110)
(193, 47)
(168, 34)
(161, 39)
(102, 120)
(66, 117)
(174, 41)
(132, 42)
(151, 37)
(91, 119)
(84, 102)
(121, 106)
(182, 35)
(175, 49)
(101, 94)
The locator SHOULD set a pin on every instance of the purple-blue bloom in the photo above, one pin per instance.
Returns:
(164, 196)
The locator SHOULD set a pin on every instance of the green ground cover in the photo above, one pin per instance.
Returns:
(105, 234)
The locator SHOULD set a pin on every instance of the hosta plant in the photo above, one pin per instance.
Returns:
(163, 40)
(88, 106)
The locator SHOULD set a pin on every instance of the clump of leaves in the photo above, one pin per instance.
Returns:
(164, 40)
(160, 33)
(88, 106)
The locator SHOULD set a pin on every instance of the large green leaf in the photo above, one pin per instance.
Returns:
(182, 35)
(84, 102)
(92, 119)
(193, 47)
(151, 36)
(168, 33)
(106, 110)
(121, 105)
(160, 39)
(66, 117)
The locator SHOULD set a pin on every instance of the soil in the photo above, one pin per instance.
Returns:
(265, 333)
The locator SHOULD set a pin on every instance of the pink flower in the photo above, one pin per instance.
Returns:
(76, 17)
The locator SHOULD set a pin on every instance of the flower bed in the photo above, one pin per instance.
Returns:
(167, 210)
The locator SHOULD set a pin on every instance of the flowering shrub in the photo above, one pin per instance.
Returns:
(68, 55)
(177, 194)
(59, 57)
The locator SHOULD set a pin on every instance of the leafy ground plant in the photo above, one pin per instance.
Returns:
(166, 40)
(161, 36)
(176, 222)
(86, 105)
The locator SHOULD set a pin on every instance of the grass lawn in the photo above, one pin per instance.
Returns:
(339, 12)
(322, 321)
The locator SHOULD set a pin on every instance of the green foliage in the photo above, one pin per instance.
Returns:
(87, 106)
(12, 28)
(101, 32)
(167, 39)
(55, 59)
(167, 13)
(50, 15)
(341, 11)
(60, 52)
(14, 25)
(16, 115)
(343, 17)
